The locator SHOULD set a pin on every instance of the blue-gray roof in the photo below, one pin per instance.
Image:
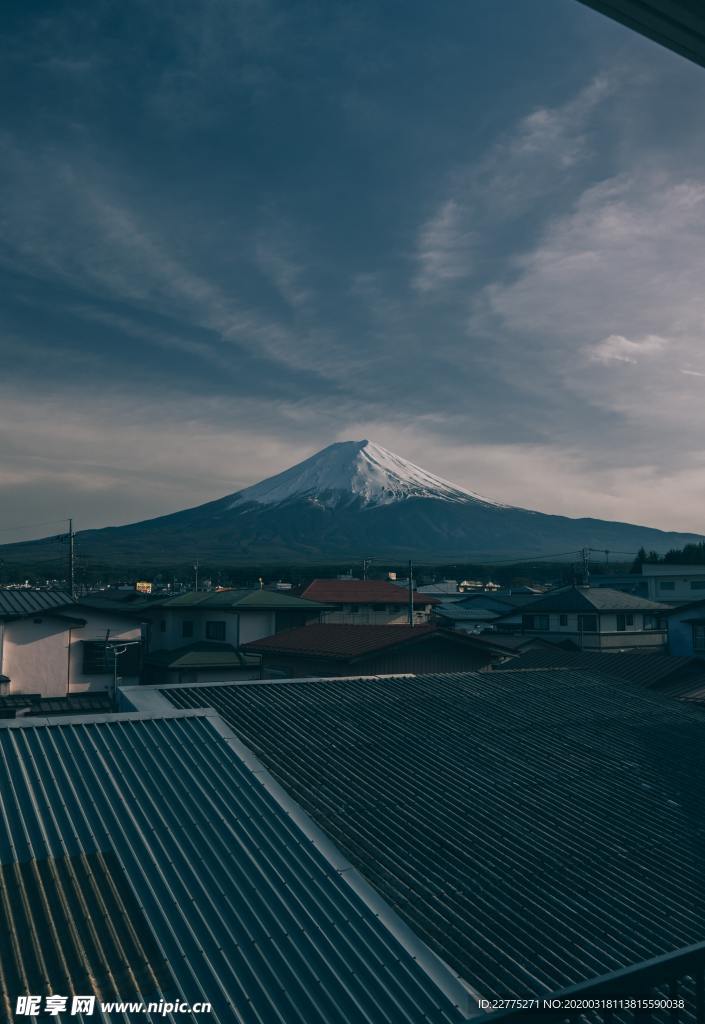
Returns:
(19, 601)
(535, 829)
(154, 858)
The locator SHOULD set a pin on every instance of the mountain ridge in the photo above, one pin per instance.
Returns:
(352, 498)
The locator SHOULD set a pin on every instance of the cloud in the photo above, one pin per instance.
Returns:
(618, 349)
(614, 282)
(537, 154)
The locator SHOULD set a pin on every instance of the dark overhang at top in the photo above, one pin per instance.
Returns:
(677, 24)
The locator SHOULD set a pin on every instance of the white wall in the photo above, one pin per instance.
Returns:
(240, 627)
(36, 656)
(36, 653)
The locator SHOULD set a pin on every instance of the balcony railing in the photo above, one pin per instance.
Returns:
(671, 978)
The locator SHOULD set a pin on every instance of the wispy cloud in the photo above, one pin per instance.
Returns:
(540, 150)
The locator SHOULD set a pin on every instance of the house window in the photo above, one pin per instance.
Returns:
(215, 631)
(697, 584)
(698, 638)
(95, 660)
(667, 585)
(623, 621)
(187, 628)
(587, 623)
(535, 622)
(652, 622)
(563, 620)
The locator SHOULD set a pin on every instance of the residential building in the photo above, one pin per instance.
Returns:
(151, 858)
(593, 618)
(339, 649)
(204, 661)
(368, 602)
(536, 830)
(686, 629)
(225, 617)
(52, 646)
(674, 584)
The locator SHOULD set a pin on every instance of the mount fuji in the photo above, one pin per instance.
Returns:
(352, 499)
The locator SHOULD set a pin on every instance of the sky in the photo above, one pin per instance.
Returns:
(235, 231)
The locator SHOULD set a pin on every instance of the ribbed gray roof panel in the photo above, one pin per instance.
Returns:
(143, 858)
(535, 829)
(18, 601)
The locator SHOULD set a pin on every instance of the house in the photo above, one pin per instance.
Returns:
(225, 617)
(680, 584)
(53, 646)
(465, 620)
(535, 835)
(368, 602)
(204, 661)
(338, 649)
(686, 629)
(150, 858)
(595, 618)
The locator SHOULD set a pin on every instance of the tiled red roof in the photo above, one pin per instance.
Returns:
(342, 641)
(362, 592)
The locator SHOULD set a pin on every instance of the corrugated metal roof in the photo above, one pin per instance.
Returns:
(17, 601)
(634, 666)
(151, 857)
(533, 835)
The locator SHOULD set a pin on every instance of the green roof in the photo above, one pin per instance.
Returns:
(203, 654)
(264, 599)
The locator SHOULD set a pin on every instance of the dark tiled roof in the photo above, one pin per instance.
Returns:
(363, 592)
(332, 640)
(257, 599)
(635, 666)
(152, 861)
(534, 835)
(72, 704)
(591, 599)
(17, 601)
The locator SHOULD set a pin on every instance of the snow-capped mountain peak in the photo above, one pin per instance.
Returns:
(354, 470)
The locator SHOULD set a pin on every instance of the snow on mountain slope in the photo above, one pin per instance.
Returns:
(352, 470)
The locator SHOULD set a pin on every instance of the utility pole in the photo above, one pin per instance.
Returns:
(366, 563)
(586, 567)
(72, 563)
(196, 571)
(411, 593)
